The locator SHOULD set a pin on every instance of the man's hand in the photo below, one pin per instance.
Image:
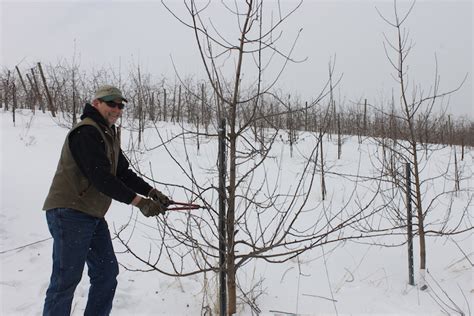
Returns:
(150, 208)
(159, 197)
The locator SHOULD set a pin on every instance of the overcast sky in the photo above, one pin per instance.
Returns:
(128, 33)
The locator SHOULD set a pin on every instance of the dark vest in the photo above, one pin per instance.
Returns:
(71, 189)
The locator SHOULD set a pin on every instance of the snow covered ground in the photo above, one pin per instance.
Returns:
(348, 278)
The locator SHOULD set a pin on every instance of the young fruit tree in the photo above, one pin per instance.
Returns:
(413, 109)
(265, 219)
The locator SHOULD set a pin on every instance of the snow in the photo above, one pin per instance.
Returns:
(344, 278)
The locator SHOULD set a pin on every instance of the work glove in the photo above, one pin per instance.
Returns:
(151, 208)
(159, 197)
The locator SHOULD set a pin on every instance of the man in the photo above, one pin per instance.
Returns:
(92, 171)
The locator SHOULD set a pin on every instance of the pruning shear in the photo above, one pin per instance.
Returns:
(183, 206)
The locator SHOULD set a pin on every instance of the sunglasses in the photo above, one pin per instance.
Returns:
(113, 104)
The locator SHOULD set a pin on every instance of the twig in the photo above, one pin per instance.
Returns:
(317, 296)
(454, 307)
(281, 312)
(329, 281)
(465, 299)
(460, 249)
(24, 246)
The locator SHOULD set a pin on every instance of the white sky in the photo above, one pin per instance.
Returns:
(109, 33)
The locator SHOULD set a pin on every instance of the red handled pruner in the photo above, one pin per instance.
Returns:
(183, 206)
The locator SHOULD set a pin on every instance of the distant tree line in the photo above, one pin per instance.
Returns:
(63, 89)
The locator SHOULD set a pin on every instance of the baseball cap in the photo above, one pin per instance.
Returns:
(109, 93)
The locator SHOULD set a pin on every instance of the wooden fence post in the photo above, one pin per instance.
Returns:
(50, 99)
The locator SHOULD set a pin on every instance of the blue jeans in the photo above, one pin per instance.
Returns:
(78, 239)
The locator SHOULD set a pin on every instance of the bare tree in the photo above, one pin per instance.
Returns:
(415, 109)
(265, 220)
(261, 222)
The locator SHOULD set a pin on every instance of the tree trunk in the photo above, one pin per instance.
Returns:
(164, 106)
(419, 209)
(323, 180)
(74, 103)
(33, 93)
(231, 270)
(339, 140)
(14, 102)
(6, 84)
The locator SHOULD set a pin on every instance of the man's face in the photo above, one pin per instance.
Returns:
(110, 111)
